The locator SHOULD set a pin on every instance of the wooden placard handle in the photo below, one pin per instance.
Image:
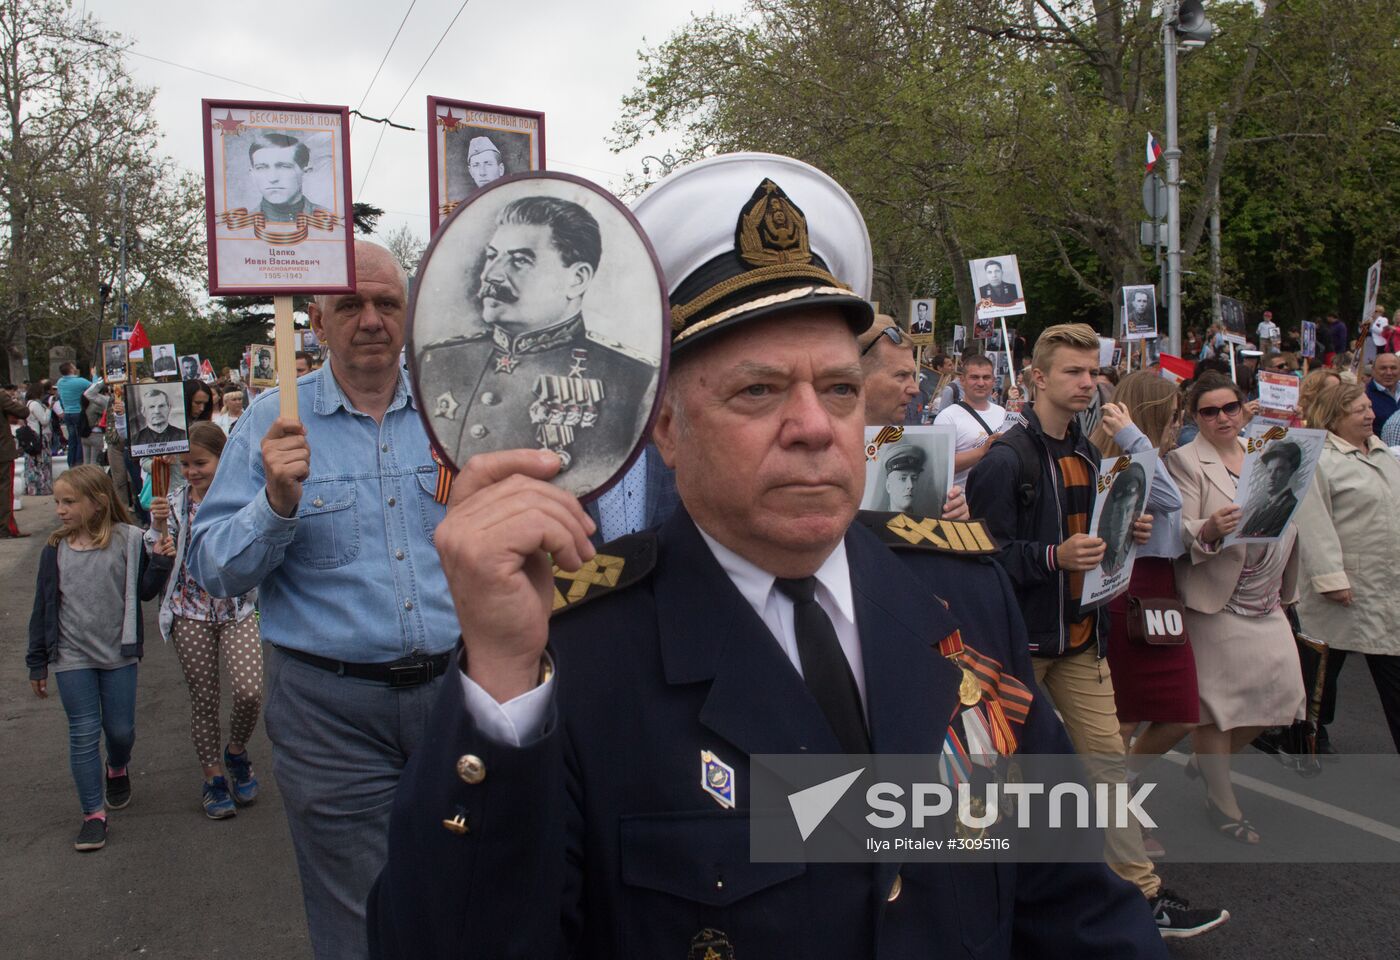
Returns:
(160, 485)
(286, 356)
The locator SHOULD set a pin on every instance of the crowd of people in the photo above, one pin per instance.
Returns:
(271, 522)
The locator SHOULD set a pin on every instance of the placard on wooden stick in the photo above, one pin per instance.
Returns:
(277, 209)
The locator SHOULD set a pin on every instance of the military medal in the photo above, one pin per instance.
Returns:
(969, 690)
(717, 779)
(710, 944)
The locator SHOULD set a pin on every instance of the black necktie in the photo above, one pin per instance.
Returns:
(824, 666)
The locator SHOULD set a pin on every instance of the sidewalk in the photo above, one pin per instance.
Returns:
(170, 883)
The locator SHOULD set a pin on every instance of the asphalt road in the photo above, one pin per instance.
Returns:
(172, 884)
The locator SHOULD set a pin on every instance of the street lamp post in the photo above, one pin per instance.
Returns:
(1172, 155)
(667, 161)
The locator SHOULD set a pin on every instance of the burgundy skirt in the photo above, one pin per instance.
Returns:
(1151, 684)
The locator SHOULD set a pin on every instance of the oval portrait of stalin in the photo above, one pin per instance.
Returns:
(539, 320)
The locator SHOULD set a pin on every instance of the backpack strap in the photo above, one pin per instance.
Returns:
(968, 407)
(1028, 474)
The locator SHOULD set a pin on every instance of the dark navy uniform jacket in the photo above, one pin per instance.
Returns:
(597, 839)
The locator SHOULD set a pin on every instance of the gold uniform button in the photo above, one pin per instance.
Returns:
(471, 769)
(457, 825)
(895, 888)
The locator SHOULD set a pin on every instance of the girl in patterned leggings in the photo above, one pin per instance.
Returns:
(206, 629)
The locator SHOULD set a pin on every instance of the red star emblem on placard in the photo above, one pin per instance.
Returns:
(228, 125)
(505, 363)
(451, 121)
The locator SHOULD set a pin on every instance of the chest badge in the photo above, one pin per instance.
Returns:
(717, 779)
(446, 406)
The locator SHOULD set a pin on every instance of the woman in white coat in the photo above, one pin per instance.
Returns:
(1349, 537)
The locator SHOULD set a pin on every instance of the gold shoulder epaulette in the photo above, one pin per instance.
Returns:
(617, 564)
(966, 537)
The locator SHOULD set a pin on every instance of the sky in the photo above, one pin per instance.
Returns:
(572, 59)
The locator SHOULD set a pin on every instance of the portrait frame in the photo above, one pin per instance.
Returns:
(186, 372)
(959, 339)
(255, 352)
(478, 119)
(923, 337)
(161, 352)
(436, 319)
(135, 396)
(984, 328)
(1119, 477)
(936, 443)
(1011, 300)
(1232, 316)
(1132, 327)
(1251, 492)
(1308, 345)
(249, 254)
(1373, 294)
(107, 351)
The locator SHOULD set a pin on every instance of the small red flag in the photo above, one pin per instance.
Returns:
(1176, 368)
(138, 340)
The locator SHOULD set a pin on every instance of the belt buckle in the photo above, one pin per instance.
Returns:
(410, 674)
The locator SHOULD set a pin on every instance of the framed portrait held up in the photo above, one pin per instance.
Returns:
(471, 145)
(262, 371)
(922, 314)
(1373, 292)
(163, 360)
(156, 419)
(1309, 340)
(997, 281)
(1123, 485)
(1278, 468)
(277, 198)
(116, 361)
(908, 470)
(1139, 312)
(189, 366)
(1232, 318)
(540, 319)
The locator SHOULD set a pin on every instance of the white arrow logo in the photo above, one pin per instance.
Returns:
(810, 806)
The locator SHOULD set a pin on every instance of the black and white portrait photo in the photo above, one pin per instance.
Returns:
(1139, 312)
(1278, 468)
(163, 360)
(263, 372)
(997, 281)
(472, 145)
(1232, 318)
(155, 419)
(1373, 292)
(539, 320)
(115, 361)
(921, 321)
(1123, 484)
(959, 339)
(189, 366)
(277, 197)
(909, 475)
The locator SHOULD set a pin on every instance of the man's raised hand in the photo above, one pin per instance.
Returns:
(286, 463)
(506, 526)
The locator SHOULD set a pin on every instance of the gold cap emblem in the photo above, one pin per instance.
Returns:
(772, 229)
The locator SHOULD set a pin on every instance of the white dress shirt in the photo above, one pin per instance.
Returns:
(520, 720)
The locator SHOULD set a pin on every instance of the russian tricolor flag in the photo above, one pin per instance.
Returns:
(1154, 150)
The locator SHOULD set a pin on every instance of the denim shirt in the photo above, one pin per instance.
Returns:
(354, 575)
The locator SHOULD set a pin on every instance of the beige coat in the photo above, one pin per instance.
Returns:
(1349, 531)
(1206, 576)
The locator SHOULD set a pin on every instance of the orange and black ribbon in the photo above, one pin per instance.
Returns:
(240, 219)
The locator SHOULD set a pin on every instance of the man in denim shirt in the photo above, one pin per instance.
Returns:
(332, 520)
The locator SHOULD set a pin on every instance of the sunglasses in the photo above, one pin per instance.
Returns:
(894, 333)
(1210, 413)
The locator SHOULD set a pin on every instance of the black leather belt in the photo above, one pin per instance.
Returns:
(406, 672)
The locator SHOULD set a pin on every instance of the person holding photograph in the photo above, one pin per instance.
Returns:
(91, 637)
(1349, 538)
(1248, 674)
(1126, 500)
(1154, 686)
(1039, 478)
(206, 629)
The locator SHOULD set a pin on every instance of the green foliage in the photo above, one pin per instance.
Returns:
(968, 128)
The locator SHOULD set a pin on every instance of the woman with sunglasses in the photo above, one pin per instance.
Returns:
(1247, 665)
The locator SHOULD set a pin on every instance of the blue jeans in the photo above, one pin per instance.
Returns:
(75, 442)
(339, 746)
(98, 701)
